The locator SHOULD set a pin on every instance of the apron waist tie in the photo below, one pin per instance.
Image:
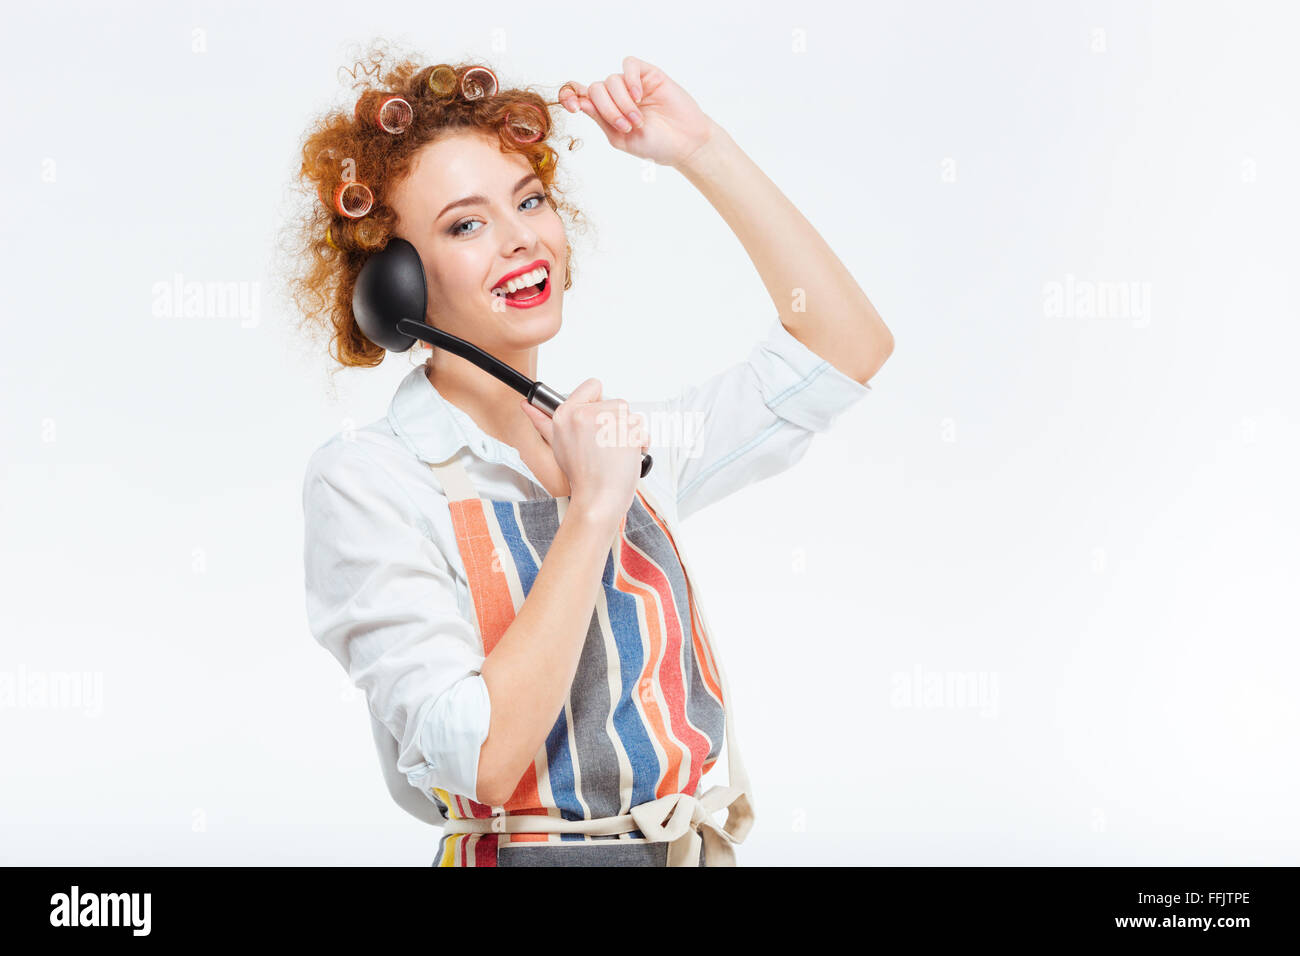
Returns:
(678, 819)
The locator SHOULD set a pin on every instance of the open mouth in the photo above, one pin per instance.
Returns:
(526, 288)
(528, 291)
(527, 295)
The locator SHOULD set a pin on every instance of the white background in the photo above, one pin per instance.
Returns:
(1094, 515)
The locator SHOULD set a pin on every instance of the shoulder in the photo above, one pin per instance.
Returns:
(358, 453)
(366, 469)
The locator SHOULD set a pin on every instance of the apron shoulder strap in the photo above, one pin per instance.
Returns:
(455, 481)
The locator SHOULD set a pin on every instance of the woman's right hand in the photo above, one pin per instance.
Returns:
(598, 444)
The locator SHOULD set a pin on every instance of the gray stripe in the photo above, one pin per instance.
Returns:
(620, 853)
(600, 853)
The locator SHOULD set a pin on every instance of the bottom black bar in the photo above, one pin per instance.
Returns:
(1230, 905)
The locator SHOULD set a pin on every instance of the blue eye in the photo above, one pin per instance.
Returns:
(456, 230)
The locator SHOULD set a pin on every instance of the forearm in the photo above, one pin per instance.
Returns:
(529, 672)
(795, 264)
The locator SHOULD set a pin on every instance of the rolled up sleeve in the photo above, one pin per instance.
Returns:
(752, 420)
(381, 599)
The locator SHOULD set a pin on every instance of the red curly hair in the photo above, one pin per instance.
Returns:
(329, 248)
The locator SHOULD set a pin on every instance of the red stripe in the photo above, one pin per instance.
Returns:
(670, 670)
(485, 851)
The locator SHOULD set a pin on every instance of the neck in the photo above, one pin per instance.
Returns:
(490, 402)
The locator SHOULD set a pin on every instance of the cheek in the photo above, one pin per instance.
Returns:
(554, 229)
(459, 274)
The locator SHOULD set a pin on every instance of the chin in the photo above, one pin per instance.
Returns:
(520, 329)
(542, 327)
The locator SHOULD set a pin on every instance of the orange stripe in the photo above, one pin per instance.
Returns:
(702, 650)
(527, 799)
(493, 604)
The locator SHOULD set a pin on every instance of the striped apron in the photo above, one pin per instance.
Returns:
(617, 782)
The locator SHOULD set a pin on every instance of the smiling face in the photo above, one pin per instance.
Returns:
(507, 226)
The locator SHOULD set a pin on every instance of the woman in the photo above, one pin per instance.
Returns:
(509, 593)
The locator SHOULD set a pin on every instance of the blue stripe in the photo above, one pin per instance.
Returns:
(627, 719)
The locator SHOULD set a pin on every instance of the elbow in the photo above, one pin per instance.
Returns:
(488, 789)
(490, 797)
(881, 348)
(495, 784)
(882, 342)
(884, 348)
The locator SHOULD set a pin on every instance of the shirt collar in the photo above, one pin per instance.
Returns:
(432, 427)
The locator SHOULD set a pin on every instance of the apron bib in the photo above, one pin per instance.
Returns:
(617, 781)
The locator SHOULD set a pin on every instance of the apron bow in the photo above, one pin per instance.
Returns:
(679, 819)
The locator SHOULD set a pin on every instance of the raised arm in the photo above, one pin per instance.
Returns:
(796, 265)
(646, 114)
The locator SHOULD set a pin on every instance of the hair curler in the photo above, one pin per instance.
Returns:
(353, 199)
(388, 111)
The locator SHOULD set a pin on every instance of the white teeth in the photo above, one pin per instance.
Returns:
(528, 278)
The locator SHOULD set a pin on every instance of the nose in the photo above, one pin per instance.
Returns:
(521, 236)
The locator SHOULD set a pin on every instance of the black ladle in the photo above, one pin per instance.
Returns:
(389, 302)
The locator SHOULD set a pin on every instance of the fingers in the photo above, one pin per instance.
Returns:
(612, 102)
(541, 421)
(633, 429)
(630, 428)
(633, 70)
(616, 87)
(570, 95)
(603, 101)
(588, 391)
(638, 432)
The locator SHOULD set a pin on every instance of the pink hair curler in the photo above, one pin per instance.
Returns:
(524, 124)
(478, 82)
(389, 112)
(353, 199)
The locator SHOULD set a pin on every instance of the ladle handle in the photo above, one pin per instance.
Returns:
(548, 400)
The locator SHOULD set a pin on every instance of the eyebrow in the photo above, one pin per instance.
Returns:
(476, 199)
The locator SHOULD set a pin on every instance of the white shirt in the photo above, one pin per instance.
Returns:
(385, 584)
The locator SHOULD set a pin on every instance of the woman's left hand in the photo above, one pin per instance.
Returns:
(642, 112)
